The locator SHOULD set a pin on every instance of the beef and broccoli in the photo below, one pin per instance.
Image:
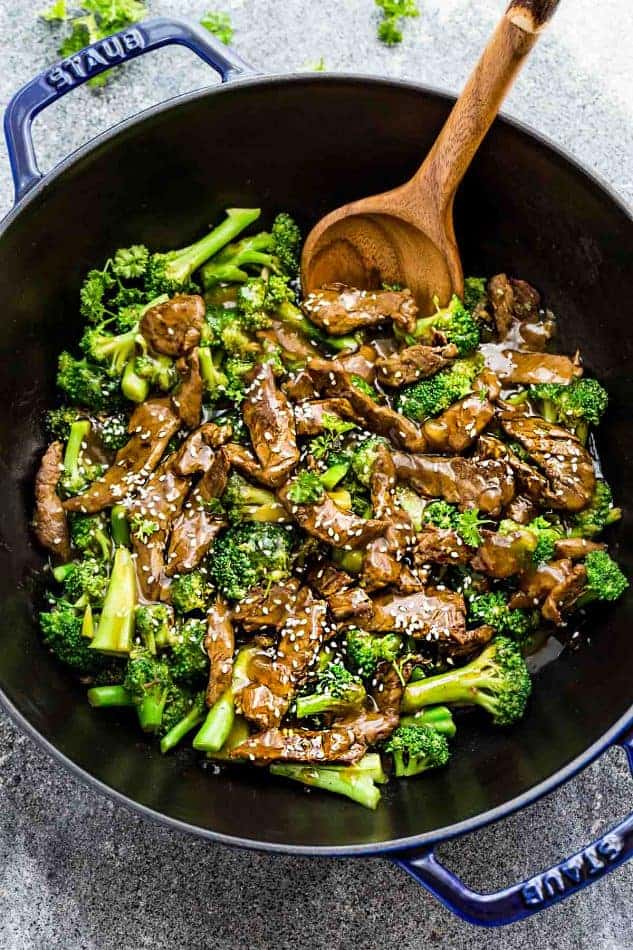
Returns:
(302, 533)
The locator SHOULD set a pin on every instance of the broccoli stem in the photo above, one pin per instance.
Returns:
(87, 623)
(295, 320)
(150, 710)
(195, 255)
(333, 475)
(116, 624)
(134, 387)
(454, 686)
(78, 433)
(349, 561)
(218, 724)
(314, 705)
(104, 696)
(436, 717)
(61, 572)
(119, 526)
(177, 733)
(352, 782)
(239, 733)
(215, 380)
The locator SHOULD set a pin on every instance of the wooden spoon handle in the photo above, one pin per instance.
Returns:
(479, 103)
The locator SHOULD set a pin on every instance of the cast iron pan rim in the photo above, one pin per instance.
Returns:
(401, 844)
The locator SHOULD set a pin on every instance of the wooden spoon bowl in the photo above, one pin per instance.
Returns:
(406, 236)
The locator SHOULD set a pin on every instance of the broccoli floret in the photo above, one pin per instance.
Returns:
(111, 350)
(59, 421)
(287, 238)
(92, 295)
(306, 488)
(474, 292)
(183, 712)
(228, 329)
(605, 580)
(77, 473)
(429, 397)
(599, 515)
(86, 384)
(244, 501)
(547, 534)
(455, 322)
(142, 528)
(62, 633)
(191, 591)
(576, 406)
(364, 650)
(412, 504)
(442, 514)
(89, 535)
(415, 749)
(154, 624)
(439, 718)
(131, 262)
(335, 690)
(234, 263)
(364, 458)
(159, 370)
(188, 658)
(171, 272)
(497, 680)
(358, 782)
(249, 554)
(492, 608)
(116, 623)
(85, 582)
(147, 681)
(113, 431)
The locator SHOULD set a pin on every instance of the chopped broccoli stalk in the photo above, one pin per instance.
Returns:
(248, 554)
(214, 379)
(116, 624)
(188, 659)
(357, 782)
(306, 488)
(333, 475)
(439, 718)
(221, 717)
(349, 561)
(497, 680)
(192, 718)
(598, 516)
(191, 591)
(148, 682)
(88, 535)
(492, 608)
(429, 397)
(366, 650)
(232, 265)
(455, 322)
(171, 272)
(416, 749)
(474, 292)
(87, 623)
(134, 386)
(103, 697)
(244, 501)
(119, 526)
(239, 733)
(605, 580)
(86, 384)
(412, 504)
(335, 690)
(77, 473)
(580, 404)
(154, 624)
(62, 633)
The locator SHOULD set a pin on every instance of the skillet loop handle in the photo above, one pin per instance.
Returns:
(536, 894)
(531, 16)
(74, 71)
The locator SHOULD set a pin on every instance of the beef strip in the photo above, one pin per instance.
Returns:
(188, 400)
(467, 642)
(429, 614)
(501, 555)
(361, 363)
(413, 363)
(270, 420)
(440, 546)
(345, 601)
(519, 367)
(563, 596)
(528, 478)
(300, 387)
(381, 565)
(487, 484)
(197, 526)
(338, 745)
(536, 583)
(339, 309)
(173, 328)
(561, 457)
(265, 700)
(511, 300)
(151, 426)
(371, 726)
(459, 426)
(331, 380)
(309, 416)
(577, 548)
(329, 523)
(220, 646)
(50, 523)
(196, 455)
(521, 509)
(294, 343)
(267, 606)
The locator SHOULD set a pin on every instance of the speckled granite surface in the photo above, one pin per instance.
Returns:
(77, 871)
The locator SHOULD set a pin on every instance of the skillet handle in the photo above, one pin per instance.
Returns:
(529, 897)
(74, 71)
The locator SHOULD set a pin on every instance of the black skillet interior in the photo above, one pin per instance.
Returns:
(308, 145)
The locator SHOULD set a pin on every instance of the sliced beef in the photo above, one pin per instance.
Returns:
(371, 726)
(270, 421)
(338, 745)
(188, 400)
(300, 387)
(539, 581)
(413, 363)
(360, 363)
(329, 523)
(521, 509)
(220, 646)
(559, 455)
(529, 480)
(519, 367)
(344, 599)
(274, 680)
(173, 328)
(459, 426)
(293, 343)
(339, 309)
(511, 300)
(562, 598)
(50, 523)
(429, 614)
(309, 416)
(267, 606)
(331, 379)
(199, 523)
(440, 546)
(501, 555)
(577, 548)
(467, 642)
(196, 454)
(487, 484)
(151, 426)
(381, 565)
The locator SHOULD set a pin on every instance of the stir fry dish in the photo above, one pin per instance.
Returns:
(304, 533)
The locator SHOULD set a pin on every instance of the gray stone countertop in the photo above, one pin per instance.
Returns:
(76, 870)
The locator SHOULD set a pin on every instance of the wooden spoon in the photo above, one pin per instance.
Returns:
(406, 236)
